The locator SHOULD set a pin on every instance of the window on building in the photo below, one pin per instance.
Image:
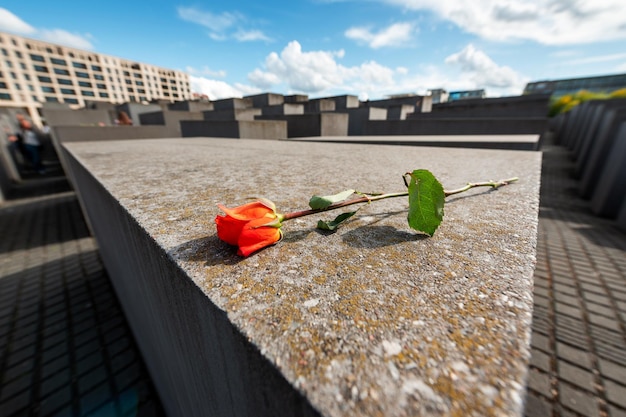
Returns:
(5, 96)
(38, 58)
(126, 73)
(18, 54)
(84, 84)
(22, 65)
(17, 86)
(132, 98)
(43, 79)
(96, 68)
(129, 82)
(136, 75)
(47, 89)
(61, 71)
(139, 83)
(79, 65)
(64, 81)
(41, 68)
(81, 74)
(87, 93)
(98, 77)
(58, 61)
(9, 63)
(101, 86)
(70, 100)
(68, 91)
(31, 88)
(104, 95)
(52, 99)
(141, 91)
(3, 85)
(130, 90)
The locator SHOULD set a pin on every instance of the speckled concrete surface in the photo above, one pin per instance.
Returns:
(508, 142)
(426, 138)
(374, 319)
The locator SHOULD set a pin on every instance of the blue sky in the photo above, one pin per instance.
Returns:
(369, 48)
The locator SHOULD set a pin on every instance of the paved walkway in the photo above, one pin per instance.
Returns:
(65, 347)
(578, 365)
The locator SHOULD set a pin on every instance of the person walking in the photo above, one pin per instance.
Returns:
(32, 145)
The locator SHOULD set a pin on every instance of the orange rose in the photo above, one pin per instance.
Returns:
(251, 226)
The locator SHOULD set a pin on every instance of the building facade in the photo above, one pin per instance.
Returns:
(465, 95)
(599, 84)
(33, 72)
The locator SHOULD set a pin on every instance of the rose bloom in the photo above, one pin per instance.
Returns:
(251, 226)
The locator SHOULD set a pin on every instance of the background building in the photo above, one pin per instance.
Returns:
(601, 84)
(468, 94)
(439, 95)
(33, 72)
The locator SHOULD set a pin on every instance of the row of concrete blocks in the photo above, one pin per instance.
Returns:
(252, 124)
(595, 132)
(347, 116)
(399, 108)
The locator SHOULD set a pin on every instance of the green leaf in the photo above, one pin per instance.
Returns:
(321, 202)
(332, 225)
(426, 199)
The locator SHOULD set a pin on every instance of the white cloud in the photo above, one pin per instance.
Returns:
(66, 38)
(398, 34)
(402, 70)
(216, 89)
(483, 72)
(302, 71)
(205, 71)
(550, 22)
(262, 79)
(11, 23)
(250, 35)
(214, 22)
(318, 72)
(433, 76)
(222, 26)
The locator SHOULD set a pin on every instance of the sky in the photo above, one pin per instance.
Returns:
(322, 48)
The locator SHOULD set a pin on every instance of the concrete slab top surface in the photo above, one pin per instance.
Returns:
(523, 138)
(374, 319)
